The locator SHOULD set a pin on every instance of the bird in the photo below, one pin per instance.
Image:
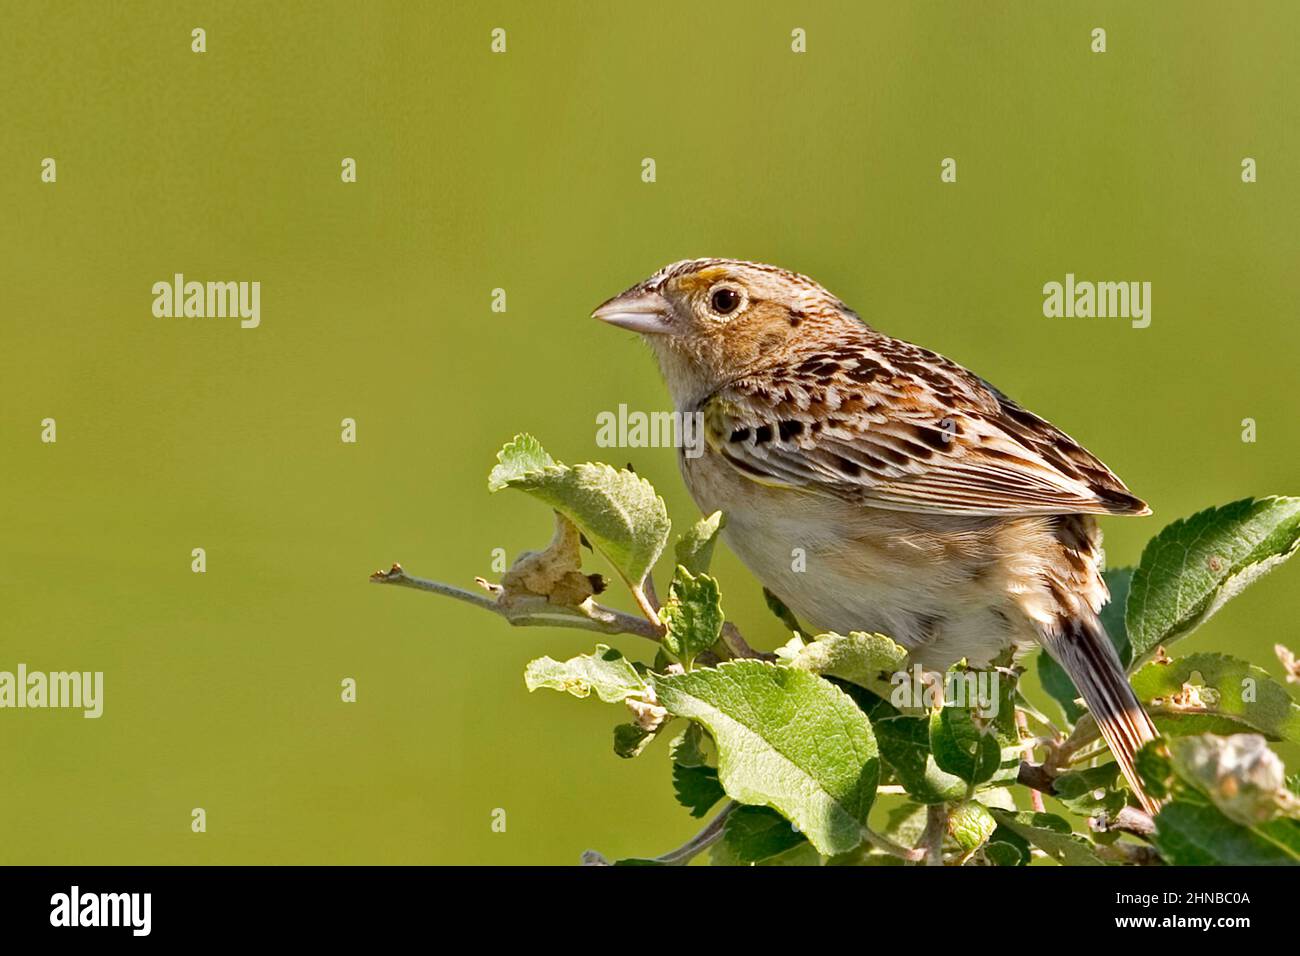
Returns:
(875, 485)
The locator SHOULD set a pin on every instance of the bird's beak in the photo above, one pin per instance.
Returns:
(640, 310)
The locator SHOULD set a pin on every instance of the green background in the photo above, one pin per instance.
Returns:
(522, 171)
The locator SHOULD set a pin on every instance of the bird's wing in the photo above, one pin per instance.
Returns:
(899, 427)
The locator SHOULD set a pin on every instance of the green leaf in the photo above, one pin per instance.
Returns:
(630, 740)
(961, 747)
(692, 615)
(867, 660)
(1119, 581)
(1079, 783)
(1089, 791)
(1054, 679)
(1000, 798)
(1004, 720)
(1005, 853)
(1059, 686)
(1154, 767)
(871, 704)
(1006, 847)
(802, 854)
(905, 746)
(1231, 695)
(905, 823)
(696, 788)
(761, 836)
(786, 739)
(1191, 568)
(1052, 835)
(521, 456)
(970, 825)
(617, 510)
(607, 672)
(694, 549)
(687, 748)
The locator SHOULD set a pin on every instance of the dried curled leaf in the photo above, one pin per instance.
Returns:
(1240, 775)
(555, 573)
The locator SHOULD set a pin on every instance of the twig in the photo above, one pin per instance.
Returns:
(701, 841)
(936, 828)
(1130, 820)
(1024, 704)
(1130, 853)
(687, 851)
(1022, 729)
(739, 647)
(648, 608)
(886, 845)
(1127, 820)
(1037, 778)
(523, 611)
(1087, 754)
(1085, 732)
(528, 612)
(649, 587)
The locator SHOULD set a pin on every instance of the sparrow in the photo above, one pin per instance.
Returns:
(874, 485)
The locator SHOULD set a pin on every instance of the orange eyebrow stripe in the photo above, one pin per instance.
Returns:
(702, 279)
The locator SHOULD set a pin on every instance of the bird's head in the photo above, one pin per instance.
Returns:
(710, 320)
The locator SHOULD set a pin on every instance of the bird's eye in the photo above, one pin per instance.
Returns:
(724, 300)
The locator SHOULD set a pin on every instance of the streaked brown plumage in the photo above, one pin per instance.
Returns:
(928, 505)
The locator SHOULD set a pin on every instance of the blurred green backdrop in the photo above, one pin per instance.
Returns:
(522, 171)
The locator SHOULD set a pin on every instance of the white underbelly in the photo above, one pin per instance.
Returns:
(842, 567)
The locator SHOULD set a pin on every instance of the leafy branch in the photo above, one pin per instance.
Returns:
(532, 611)
(830, 752)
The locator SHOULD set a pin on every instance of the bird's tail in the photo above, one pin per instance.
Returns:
(1085, 653)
